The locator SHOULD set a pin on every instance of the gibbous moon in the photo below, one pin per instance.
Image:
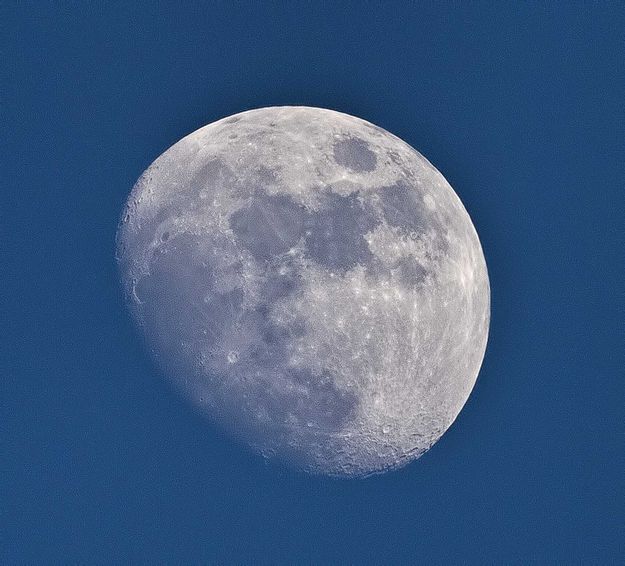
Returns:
(312, 284)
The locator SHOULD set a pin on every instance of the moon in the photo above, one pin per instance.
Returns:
(311, 284)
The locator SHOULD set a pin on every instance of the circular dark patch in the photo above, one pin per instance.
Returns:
(354, 154)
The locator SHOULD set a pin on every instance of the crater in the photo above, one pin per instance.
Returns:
(354, 153)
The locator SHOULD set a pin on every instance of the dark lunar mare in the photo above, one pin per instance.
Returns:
(213, 175)
(268, 225)
(354, 154)
(171, 296)
(335, 233)
(401, 209)
(214, 302)
(410, 272)
(181, 309)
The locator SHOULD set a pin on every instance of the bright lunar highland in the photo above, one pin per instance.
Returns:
(312, 284)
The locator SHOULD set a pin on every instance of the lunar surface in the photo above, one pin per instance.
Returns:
(312, 284)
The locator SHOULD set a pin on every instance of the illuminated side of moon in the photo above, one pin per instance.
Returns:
(312, 284)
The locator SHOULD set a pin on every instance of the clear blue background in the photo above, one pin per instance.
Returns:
(520, 105)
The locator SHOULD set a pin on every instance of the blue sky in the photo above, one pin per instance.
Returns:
(520, 106)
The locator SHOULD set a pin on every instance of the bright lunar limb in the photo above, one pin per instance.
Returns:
(312, 284)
